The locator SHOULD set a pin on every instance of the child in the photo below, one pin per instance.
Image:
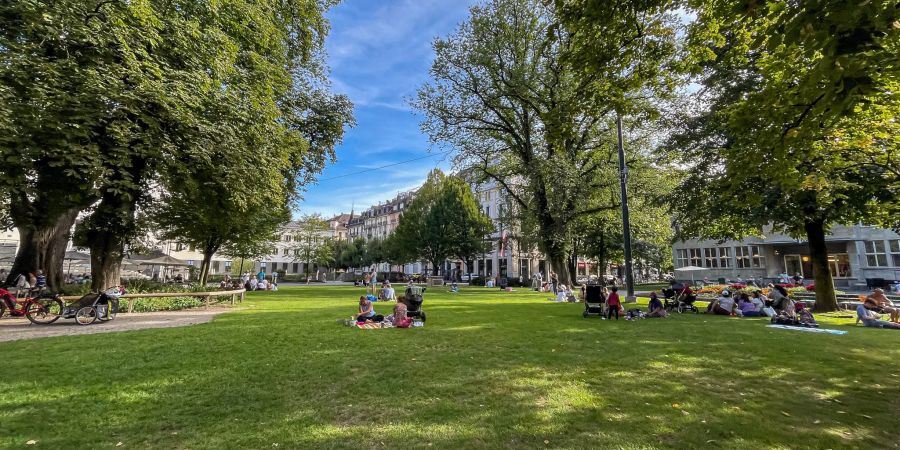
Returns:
(612, 303)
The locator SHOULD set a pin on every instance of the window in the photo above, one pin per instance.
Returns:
(286, 251)
(875, 254)
(895, 252)
(742, 257)
(681, 258)
(749, 256)
(725, 257)
(759, 261)
(839, 264)
(712, 261)
(297, 252)
(696, 257)
(295, 267)
(286, 238)
(179, 247)
(215, 266)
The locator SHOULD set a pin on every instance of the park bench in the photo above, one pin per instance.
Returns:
(236, 295)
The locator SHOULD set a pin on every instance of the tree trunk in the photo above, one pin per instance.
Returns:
(204, 266)
(826, 300)
(560, 266)
(573, 269)
(44, 248)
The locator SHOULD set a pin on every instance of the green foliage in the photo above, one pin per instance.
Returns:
(443, 221)
(542, 372)
(797, 127)
(506, 95)
(147, 95)
(313, 242)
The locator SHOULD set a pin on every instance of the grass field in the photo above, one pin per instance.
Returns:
(490, 370)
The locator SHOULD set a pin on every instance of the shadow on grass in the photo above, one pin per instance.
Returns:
(510, 375)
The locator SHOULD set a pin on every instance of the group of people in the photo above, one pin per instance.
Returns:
(30, 280)
(258, 283)
(367, 314)
(753, 304)
(877, 303)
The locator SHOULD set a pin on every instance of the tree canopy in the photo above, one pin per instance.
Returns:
(795, 125)
(505, 94)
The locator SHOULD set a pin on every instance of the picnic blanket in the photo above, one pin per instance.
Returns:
(376, 325)
(813, 330)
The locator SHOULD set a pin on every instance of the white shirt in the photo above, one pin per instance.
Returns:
(726, 303)
(758, 302)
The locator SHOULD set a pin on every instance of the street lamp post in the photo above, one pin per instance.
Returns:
(623, 178)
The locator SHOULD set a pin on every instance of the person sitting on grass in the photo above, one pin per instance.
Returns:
(783, 304)
(723, 306)
(367, 311)
(612, 303)
(760, 300)
(399, 319)
(454, 288)
(748, 307)
(880, 304)
(870, 319)
(655, 307)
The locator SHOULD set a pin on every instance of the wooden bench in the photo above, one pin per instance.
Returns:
(237, 295)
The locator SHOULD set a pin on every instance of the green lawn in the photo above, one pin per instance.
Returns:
(490, 370)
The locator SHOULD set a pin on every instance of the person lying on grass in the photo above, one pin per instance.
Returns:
(655, 307)
(367, 311)
(870, 319)
(880, 304)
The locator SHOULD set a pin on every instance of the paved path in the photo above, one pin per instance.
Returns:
(13, 329)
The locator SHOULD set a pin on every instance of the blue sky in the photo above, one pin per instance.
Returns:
(379, 52)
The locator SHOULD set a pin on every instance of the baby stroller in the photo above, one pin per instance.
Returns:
(679, 298)
(593, 300)
(414, 299)
(94, 306)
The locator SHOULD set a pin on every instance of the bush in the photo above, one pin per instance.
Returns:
(477, 281)
(160, 304)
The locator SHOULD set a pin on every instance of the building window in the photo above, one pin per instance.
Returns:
(895, 252)
(696, 257)
(712, 261)
(875, 254)
(297, 252)
(725, 257)
(839, 265)
(286, 251)
(681, 258)
(295, 267)
(749, 256)
(742, 257)
(179, 247)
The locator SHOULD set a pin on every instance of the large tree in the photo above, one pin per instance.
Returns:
(795, 125)
(134, 89)
(505, 95)
(442, 221)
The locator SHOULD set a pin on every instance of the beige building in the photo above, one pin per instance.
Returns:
(858, 256)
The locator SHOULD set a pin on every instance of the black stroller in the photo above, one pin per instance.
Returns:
(679, 298)
(414, 298)
(94, 306)
(593, 300)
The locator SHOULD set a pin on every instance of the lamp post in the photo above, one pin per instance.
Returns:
(626, 223)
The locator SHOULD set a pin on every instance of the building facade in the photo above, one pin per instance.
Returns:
(856, 253)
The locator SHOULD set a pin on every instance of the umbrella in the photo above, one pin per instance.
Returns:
(76, 256)
(691, 269)
(163, 261)
(72, 255)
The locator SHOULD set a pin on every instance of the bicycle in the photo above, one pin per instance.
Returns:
(42, 309)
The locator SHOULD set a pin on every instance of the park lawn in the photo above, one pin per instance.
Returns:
(490, 370)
